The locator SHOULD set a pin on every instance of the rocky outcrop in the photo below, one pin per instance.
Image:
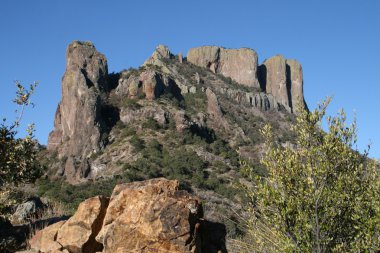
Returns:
(283, 79)
(45, 240)
(259, 100)
(78, 233)
(148, 83)
(277, 76)
(161, 52)
(275, 79)
(295, 81)
(30, 209)
(148, 216)
(159, 114)
(153, 85)
(213, 107)
(128, 86)
(238, 64)
(79, 125)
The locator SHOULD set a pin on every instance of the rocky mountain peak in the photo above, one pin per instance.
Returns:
(204, 93)
(78, 125)
(161, 52)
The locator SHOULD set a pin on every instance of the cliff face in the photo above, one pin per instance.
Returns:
(283, 79)
(239, 64)
(277, 76)
(78, 124)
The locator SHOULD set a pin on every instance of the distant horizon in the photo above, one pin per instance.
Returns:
(335, 42)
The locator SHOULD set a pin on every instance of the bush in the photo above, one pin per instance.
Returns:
(194, 102)
(18, 156)
(131, 103)
(320, 196)
(72, 195)
(151, 123)
(137, 143)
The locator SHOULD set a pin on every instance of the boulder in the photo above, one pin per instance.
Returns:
(238, 64)
(148, 216)
(78, 233)
(32, 208)
(44, 240)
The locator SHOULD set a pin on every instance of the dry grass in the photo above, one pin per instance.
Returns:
(43, 219)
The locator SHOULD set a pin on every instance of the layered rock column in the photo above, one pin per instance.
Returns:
(295, 77)
(275, 79)
(78, 124)
(283, 79)
(238, 64)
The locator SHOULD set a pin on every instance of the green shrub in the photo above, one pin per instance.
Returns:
(130, 103)
(151, 123)
(72, 195)
(128, 131)
(137, 143)
(194, 102)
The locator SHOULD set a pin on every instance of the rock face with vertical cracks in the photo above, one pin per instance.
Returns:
(147, 216)
(284, 80)
(238, 64)
(295, 79)
(79, 125)
(275, 79)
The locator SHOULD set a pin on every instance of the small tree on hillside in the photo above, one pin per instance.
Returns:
(320, 195)
(17, 155)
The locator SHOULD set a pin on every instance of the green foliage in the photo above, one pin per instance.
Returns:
(18, 161)
(157, 161)
(221, 148)
(194, 102)
(131, 103)
(137, 143)
(151, 123)
(128, 131)
(320, 196)
(72, 195)
(126, 73)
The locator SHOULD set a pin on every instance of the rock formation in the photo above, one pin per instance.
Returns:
(78, 124)
(295, 81)
(148, 216)
(161, 52)
(275, 79)
(238, 64)
(284, 80)
(93, 101)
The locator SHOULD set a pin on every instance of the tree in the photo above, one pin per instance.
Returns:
(320, 195)
(18, 155)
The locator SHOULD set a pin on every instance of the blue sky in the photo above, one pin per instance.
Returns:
(337, 43)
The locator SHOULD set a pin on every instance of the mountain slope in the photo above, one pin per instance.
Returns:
(190, 118)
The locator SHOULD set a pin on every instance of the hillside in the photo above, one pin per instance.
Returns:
(187, 118)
